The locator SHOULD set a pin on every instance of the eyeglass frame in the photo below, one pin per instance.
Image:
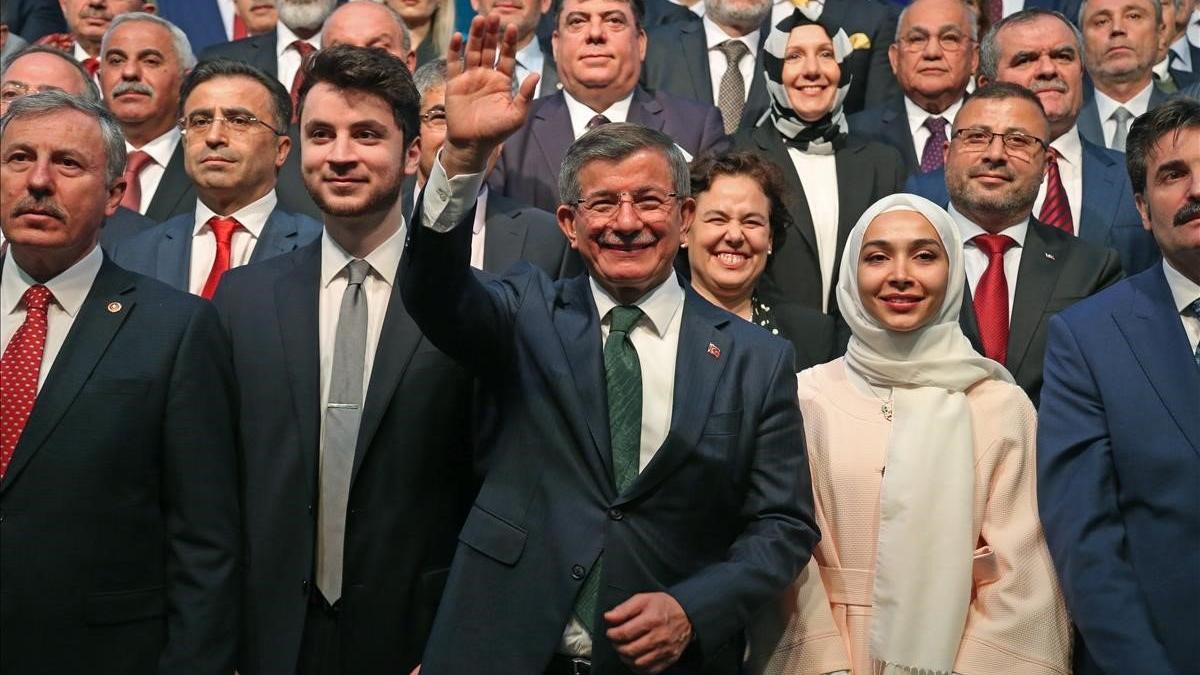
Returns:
(590, 212)
(906, 42)
(28, 89)
(430, 115)
(182, 123)
(1004, 140)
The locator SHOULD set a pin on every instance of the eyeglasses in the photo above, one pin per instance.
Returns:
(1015, 142)
(436, 118)
(239, 124)
(950, 42)
(651, 205)
(14, 90)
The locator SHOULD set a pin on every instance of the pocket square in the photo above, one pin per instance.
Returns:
(860, 41)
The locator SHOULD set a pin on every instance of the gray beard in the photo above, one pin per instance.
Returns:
(304, 15)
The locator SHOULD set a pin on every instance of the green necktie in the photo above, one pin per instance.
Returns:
(623, 374)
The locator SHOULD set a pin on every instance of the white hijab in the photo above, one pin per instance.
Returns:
(926, 528)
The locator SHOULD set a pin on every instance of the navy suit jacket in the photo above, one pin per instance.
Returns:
(1090, 124)
(1108, 216)
(165, 251)
(120, 551)
(122, 225)
(513, 233)
(256, 50)
(1118, 470)
(888, 123)
(32, 19)
(721, 518)
(200, 20)
(528, 166)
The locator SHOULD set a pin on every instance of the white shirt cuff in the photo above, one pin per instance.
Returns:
(447, 200)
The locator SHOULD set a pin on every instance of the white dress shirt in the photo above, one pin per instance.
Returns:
(975, 261)
(287, 58)
(160, 150)
(69, 289)
(228, 11)
(530, 60)
(818, 175)
(253, 218)
(1106, 106)
(916, 123)
(581, 114)
(1014, 6)
(717, 63)
(1070, 170)
(477, 234)
(1185, 292)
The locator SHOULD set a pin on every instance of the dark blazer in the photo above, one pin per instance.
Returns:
(256, 50)
(176, 193)
(888, 124)
(32, 19)
(1118, 466)
(122, 225)
(200, 20)
(548, 508)
(1193, 90)
(817, 337)
(119, 510)
(165, 252)
(1107, 217)
(1056, 271)
(528, 166)
(866, 172)
(682, 46)
(871, 79)
(294, 197)
(1090, 124)
(411, 483)
(549, 84)
(513, 233)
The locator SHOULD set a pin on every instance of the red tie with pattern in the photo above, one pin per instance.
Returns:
(239, 27)
(306, 51)
(223, 229)
(137, 161)
(19, 368)
(1056, 212)
(991, 296)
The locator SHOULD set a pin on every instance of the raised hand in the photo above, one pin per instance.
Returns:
(481, 109)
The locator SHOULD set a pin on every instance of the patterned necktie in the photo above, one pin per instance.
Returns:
(597, 121)
(623, 377)
(933, 156)
(991, 296)
(731, 99)
(134, 164)
(1121, 116)
(1056, 212)
(306, 50)
(343, 414)
(222, 229)
(19, 369)
(1194, 310)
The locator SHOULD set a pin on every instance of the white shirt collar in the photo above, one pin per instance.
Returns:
(384, 260)
(253, 216)
(480, 210)
(714, 35)
(1136, 105)
(659, 304)
(917, 115)
(970, 230)
(531, 57)
(581, 114)
(1069, 147)
(284, 37)
(1183, 51)
(70, 288)
(1183, 290)
(161, 148)
(80, 53)
(1162, 69)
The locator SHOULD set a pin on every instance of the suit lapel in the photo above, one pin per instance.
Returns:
(551, 130)
(645, 110)
(769, 142)
(697, 372)
(968, 321)
(88, 339)
(1101, 195)
(503, 237)
(174, 188)
(279, 236)
(264, 57)
(894, 120)
(175, 254)
(1089, 123)
(757, 101)
(856, 185)
(578, 328)
(1037, 278)
(297, 303)
(695, 55)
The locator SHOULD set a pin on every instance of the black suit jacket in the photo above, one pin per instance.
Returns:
(888, 124)
(256, 50)
(119, 510)
(1056, 271)
(176, 193)
(528, 166)
(411, 481)
(817, 337)
(682, 46)
(122, 225)
(513, 233)
(866, 172)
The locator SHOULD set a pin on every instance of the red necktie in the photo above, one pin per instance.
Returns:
(19, 368)
(239, 27)
(1056, 212)
(92, 65)
(991, 296)
(222, 229)
(133, 187)
(306, 51)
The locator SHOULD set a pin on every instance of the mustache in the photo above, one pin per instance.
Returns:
(1189, 211)
(642, 238)
(217, 154)
(1056, 84)
(90, 12)
(989, 167)
(133, 88)
(45, 205)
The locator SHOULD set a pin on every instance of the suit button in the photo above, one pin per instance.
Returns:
(578, 572)
(615, 514)
(310, 509)
(304, 586)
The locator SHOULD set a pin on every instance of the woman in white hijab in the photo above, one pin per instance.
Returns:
(932, 558)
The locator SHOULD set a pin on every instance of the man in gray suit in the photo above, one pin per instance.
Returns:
(234, 117)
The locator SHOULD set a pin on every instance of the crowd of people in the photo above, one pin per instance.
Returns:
(776, 337)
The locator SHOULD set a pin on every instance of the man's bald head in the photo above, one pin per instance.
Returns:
(362, 23)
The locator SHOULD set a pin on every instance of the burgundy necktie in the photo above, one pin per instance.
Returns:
(597, 121)
(19, 369)
(136, 161)
(306, 51)
(933, 156)
(223, 229)
(1056, 212)
(991, 296)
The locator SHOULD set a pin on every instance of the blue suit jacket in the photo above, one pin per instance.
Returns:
(1118, 472)
(1107, 217)
(165, 251)
(1090, 124)
(721, 518)
(200, 20)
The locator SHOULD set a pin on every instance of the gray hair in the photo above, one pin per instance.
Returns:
(613, 143)
(48, 102)
(179, 39)
(430, 76)
(90, 91)
(968, 9)
(1157, 4)
(989, 49)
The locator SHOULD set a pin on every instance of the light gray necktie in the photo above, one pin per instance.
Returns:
(1121, 116)
(342, 416)
(731, 99)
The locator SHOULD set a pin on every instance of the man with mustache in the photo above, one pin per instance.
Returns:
(1121, 40)
(1020, 271)
(233, 118)
(87, 21)
(355, 430)
(1119, 433)
(120, 546)
(145, 57)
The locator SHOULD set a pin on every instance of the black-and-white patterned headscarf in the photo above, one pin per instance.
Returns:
(824, 135)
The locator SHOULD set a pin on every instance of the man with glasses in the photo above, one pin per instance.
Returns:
(234, 143)
(933, 58)
(648, 491)
(1020, 271)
